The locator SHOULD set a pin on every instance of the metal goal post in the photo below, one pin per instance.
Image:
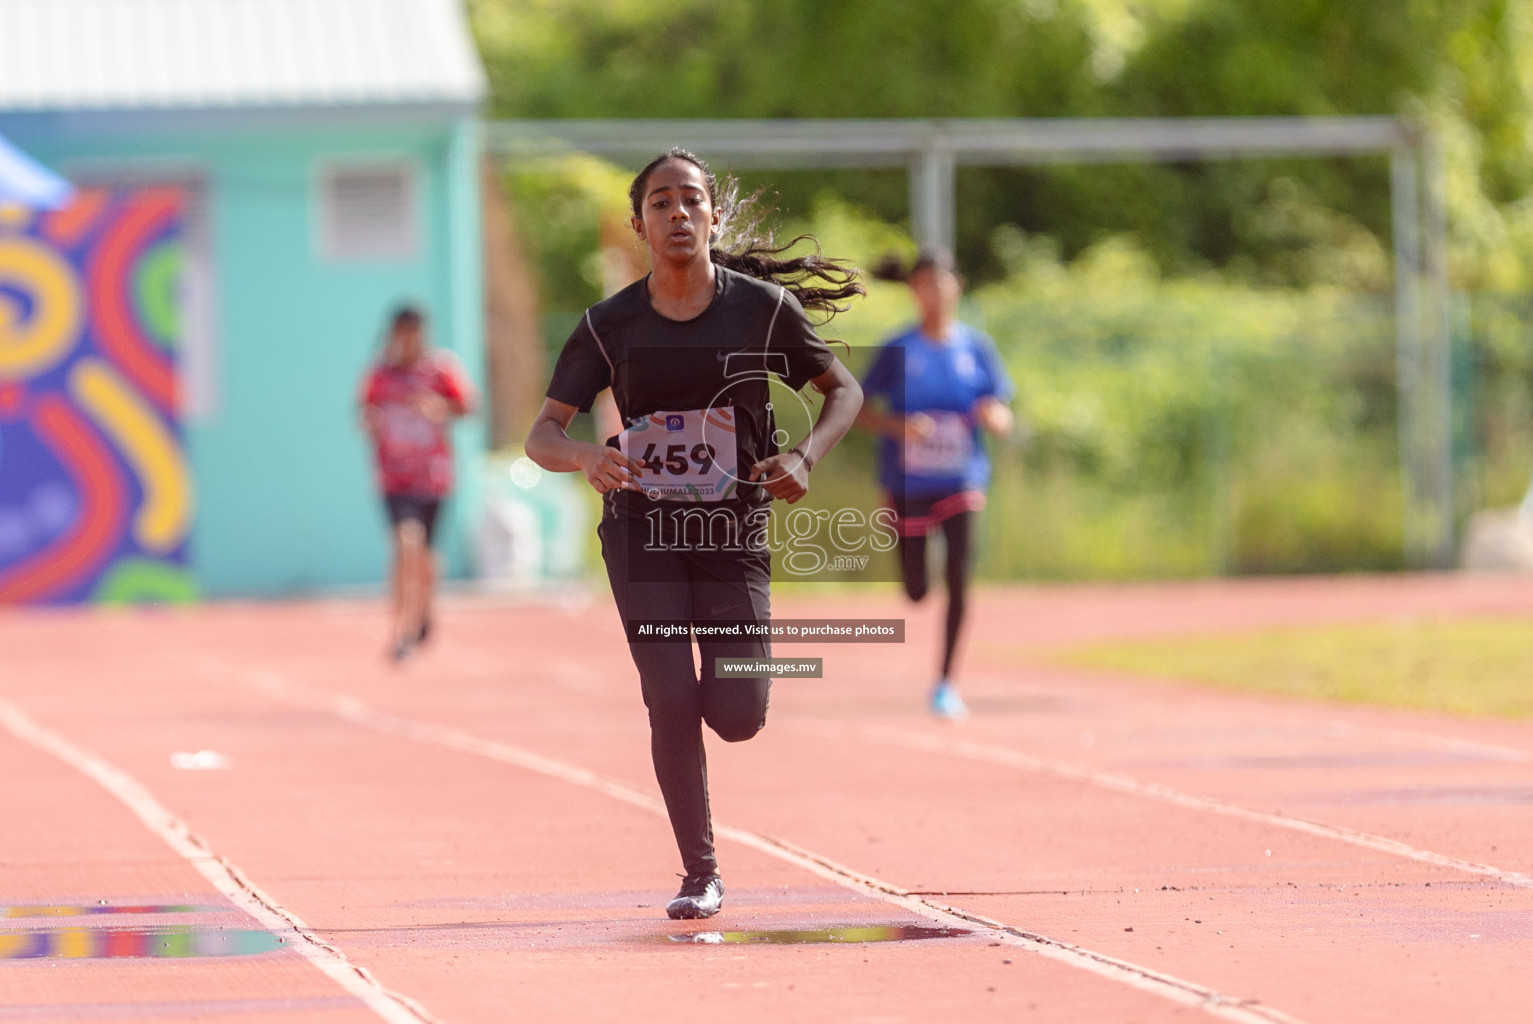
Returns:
(932, 150)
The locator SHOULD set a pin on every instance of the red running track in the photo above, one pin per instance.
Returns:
(474, 838)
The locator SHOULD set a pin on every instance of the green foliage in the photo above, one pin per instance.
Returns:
(559, 205)
(1494, 377)
(1193, 424)
(788, 58)
(1170, 426)
(1463, 66)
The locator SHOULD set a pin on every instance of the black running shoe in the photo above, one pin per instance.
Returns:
(424, 633)
(700, 896)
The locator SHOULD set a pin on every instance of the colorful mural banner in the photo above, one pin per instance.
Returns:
(95, 493)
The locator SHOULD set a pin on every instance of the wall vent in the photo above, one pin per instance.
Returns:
(369, 212)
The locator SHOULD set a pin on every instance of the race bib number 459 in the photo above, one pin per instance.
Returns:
(687, 456)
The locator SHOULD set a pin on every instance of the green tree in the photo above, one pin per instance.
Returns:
(1465, 66)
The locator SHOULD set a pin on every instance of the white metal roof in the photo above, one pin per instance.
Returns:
(157, 54)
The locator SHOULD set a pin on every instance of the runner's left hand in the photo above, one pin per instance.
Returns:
(993, 415)
(433, 406)
(785, 476)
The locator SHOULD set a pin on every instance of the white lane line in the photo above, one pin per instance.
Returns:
(1447, 744)
(1177, 990)
(1153, 790)
(229, 880)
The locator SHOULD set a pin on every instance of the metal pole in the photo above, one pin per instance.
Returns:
(932, 202)
(1437, 359)
(891, 142)
(1405, 205)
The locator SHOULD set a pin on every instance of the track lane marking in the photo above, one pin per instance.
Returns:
(224, 876)
(1120, 783)
(1432, 741)
(1455, 744)
(1177, 990)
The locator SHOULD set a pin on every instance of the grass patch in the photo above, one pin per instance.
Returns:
(1466, 667)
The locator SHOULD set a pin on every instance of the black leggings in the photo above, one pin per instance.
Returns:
(957, 532)
(699, 586)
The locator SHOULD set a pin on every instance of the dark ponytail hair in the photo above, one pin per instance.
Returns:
(820, 284)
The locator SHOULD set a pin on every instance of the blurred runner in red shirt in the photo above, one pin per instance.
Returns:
(408, 399)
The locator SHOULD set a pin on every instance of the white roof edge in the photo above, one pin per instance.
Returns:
(175, 55)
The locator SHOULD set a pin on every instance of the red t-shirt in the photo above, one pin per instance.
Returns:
(414, 453)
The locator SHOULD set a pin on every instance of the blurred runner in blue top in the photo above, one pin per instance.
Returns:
(930, 391)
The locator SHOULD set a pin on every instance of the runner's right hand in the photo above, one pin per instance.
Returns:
(918, 426)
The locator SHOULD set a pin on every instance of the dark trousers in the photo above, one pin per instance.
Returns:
(957, 533)
(659, 582)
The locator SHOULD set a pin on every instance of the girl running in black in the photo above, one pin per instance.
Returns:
(690, 353)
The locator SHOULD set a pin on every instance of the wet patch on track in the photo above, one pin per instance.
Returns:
(793, 937)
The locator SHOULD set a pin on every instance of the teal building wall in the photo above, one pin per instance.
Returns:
(281, 470)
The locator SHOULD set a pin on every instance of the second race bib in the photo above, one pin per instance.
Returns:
(946, 451)
(687, 456)
(402, 428)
